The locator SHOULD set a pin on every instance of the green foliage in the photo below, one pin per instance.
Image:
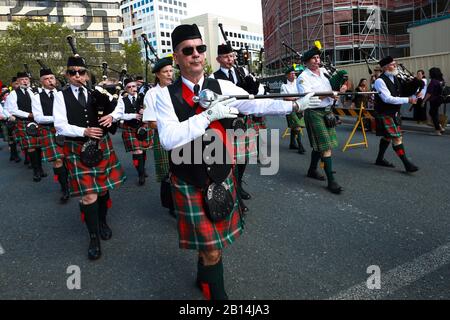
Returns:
(26, 41)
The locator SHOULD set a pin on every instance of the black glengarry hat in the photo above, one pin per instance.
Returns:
(161, 63)
(224, 49)
(127, 81)
(185, 32)
(22, 74)
(385, 61)
(45, 72)
(76, 61)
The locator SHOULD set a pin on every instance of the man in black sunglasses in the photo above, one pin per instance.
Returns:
(183, 125)
(77, 119)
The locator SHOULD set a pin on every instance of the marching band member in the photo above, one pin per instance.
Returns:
(203, 189)
(76, 113)
(42, 106)
(387, 107)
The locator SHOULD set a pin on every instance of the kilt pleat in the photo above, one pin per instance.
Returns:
(50, 150)
(131, 141)
(195, 230)
(386, 127)
(161, 158)
(108, 175)
(22, 138)
(320, 137)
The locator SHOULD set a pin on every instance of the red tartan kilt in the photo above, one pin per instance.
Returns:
(50, 150)
(25, 141)
(195, 230)
(131, 142)
(83, 180)
(387, 127)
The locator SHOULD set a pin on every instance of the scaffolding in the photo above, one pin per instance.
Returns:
(378, 27)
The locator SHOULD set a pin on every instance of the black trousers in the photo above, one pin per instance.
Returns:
(420, 111)
(434, 113)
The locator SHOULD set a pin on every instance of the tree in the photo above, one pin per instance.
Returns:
(26, 41)
(133, 58)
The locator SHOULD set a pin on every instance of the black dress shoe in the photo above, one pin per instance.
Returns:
(384, 163)
(36, 176)
(94, 251)
(315, 175)
(65, 197)
(334, 187)
(42, 173)
(409, 167)
(245, 195)
(105, 231)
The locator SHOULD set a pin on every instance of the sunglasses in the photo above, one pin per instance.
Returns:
(73, 73)
(188, 51)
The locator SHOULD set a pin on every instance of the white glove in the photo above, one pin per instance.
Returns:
(309, 102)
(219, 109)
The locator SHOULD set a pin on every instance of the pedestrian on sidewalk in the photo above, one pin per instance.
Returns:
(420, 108)
(434, 96)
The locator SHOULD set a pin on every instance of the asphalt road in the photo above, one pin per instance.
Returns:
(299, 242)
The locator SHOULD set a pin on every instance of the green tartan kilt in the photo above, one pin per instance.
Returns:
(245, 147)
(161, 158)
(321, 138)
(195, 230)
(295, 120)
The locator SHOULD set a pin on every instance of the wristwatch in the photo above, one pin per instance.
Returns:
(295, 106)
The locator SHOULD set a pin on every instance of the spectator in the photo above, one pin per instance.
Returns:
(361, 99)
(434, 96)
(420, 109)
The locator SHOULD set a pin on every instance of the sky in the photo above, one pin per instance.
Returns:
(246, 10)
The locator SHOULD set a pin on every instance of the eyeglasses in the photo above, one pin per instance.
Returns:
(188, 51)
(73, 73)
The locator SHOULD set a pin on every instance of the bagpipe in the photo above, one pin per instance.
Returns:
(248, 82)
(409, 85)
(100, 105)
(34, 83)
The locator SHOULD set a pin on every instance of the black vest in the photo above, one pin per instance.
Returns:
(76, 114)
(219, 75)
(198, 175)
(23, 101)
(46, 103)
(130, 108)
(383, 108)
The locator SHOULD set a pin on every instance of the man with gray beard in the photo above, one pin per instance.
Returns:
(387, 107)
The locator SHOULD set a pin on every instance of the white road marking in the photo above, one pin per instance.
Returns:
(2, 251)
(399, 277)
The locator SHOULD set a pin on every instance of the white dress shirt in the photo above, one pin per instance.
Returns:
(310, 82)
(174, 134)
(4, 112)
(150, 104)
(385, 94)
(36, 105)
(11, 104)
(119, 111)
(289, 87)
(62, 125)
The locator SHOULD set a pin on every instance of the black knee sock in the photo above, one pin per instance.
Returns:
(384, 144)
(315, 158)
(104, 203)
(90, 216)
(136, 162)
(241, 169)
(400, 151)
(211, 281)
(328, 168)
